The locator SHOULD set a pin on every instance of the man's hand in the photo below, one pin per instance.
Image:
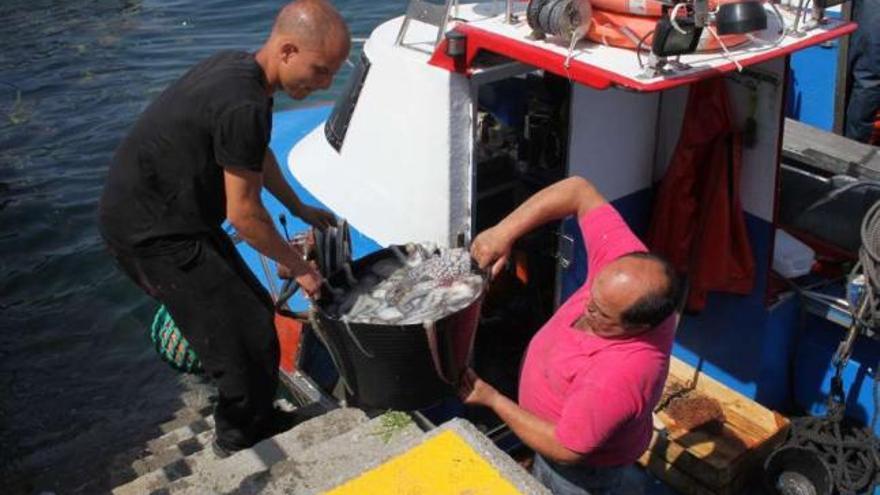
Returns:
(318, 218)
(305, 275)
(473, 390)
(310, 283)
(491, 249)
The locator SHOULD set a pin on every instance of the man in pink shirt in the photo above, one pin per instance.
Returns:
(594, 372)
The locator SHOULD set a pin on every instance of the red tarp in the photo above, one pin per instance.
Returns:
(697, 220)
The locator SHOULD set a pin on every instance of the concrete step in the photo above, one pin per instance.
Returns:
(182, 433)
(166, 449)
(331, 462)
(173, 453)
(245, 468)
(186, 416)
(369, 449)
(203, 467)
(181, 442)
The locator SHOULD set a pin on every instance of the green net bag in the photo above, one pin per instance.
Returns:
(171, 345)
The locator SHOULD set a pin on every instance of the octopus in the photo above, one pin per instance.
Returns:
(421, 283)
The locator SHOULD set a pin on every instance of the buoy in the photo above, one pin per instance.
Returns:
(653, 8)
(289, 332)
(625, 31)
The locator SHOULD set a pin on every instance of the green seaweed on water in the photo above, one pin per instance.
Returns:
(19, 114)
(390, 423)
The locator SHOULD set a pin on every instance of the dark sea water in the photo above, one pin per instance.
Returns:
(80, 387)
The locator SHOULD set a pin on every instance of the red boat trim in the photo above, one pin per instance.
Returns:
(479, 39)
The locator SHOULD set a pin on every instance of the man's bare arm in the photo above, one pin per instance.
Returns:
(245, 211)
(572, 196)
(535, 432)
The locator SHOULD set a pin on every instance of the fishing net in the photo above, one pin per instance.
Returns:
(171, 345)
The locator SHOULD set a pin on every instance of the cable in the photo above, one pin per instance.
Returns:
(843, 189)
(781, 35)
(727, 54)
(781, 22)
(673, 14)
(576, 36)
(639, 49)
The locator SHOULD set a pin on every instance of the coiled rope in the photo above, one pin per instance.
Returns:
(852, 454)
(869, 265)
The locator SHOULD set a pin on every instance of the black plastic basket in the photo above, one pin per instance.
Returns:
(404, 367)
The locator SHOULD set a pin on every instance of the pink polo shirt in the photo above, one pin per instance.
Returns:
(598, 392)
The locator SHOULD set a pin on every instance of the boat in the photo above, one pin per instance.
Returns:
(453, 114)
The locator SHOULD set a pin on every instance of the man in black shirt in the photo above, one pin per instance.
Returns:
(198, 155)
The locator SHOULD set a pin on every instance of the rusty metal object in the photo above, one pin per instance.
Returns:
(696, 412)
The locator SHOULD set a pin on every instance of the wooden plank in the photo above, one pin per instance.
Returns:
(829, 152)
(719, 456)
(717, 479)
(673, 476)
(684, 483)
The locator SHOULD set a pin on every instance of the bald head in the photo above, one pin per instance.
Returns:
(308, 45)
(313, 23)
(642, 288)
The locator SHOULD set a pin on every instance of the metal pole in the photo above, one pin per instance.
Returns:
(842, 75)
(508, 15)
(797, 20)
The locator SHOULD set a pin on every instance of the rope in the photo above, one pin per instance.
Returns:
(869, 264)
(171, 345)
(322, 336)
(852, 454)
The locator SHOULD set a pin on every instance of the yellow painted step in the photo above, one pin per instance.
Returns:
(444, 464)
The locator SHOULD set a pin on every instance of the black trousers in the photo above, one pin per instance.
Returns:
(227, 317)
(864, 64)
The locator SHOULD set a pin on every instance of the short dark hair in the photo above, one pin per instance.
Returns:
(654, 307)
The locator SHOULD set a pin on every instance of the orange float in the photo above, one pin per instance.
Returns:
(625, 31)
(653, 8)
(289, 332)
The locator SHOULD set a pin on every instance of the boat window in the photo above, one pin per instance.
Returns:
(337, 125)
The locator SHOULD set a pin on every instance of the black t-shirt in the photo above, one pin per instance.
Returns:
(166, 177)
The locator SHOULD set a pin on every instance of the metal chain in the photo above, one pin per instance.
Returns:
(850, 453)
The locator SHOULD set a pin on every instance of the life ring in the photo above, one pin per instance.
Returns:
(653, 8)
(625, 31)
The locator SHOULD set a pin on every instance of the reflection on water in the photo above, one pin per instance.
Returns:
(79, 383)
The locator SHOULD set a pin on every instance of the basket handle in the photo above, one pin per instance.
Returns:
(431, 336)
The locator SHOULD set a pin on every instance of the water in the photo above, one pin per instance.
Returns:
(80, 387)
